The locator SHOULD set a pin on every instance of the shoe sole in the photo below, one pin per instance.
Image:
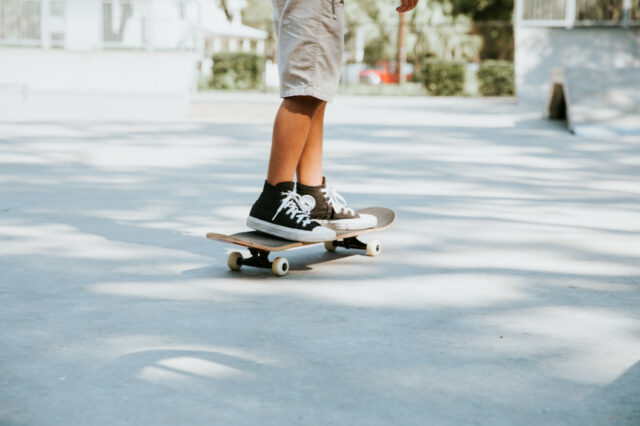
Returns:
(365, 221)
(291, 233)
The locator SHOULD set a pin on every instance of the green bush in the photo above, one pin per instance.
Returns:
(443, 78)
(496, 78)
(237, 70)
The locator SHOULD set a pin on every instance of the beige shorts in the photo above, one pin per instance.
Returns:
(310, 43)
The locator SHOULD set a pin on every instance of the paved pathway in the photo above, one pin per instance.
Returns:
(507, 293)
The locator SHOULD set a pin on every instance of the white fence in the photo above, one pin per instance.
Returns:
(570, 13)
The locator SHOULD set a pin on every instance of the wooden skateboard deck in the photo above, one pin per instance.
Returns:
(260, 244)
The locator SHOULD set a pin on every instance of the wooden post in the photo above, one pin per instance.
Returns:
(401, 49)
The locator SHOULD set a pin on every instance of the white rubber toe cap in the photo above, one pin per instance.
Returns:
(322, 233)
(368, 220)
(363, 222)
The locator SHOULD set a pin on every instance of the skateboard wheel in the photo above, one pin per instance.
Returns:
(374, 248)
(280, 266)
(330, 246)
(233, 261)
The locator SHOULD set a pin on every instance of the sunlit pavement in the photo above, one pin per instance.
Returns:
(508, 291)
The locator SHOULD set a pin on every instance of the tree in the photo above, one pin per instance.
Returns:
(433, 30)
(259, 14)
(492, 21)
(483, 10)
(378, 23)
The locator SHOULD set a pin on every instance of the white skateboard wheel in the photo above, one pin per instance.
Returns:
(280, 266)
(330, 246)
(374, 248)
(233, 261)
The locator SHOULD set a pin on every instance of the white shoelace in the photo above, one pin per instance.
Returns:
(293, 205)
(337, 201)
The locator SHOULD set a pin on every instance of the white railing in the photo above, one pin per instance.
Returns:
(570, 13)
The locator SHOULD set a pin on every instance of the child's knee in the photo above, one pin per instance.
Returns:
(304, 104)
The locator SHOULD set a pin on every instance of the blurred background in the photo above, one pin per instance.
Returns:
(508, 290)
(179, 47)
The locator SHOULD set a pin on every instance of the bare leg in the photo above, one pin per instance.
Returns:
(310, 164)
(290, 132)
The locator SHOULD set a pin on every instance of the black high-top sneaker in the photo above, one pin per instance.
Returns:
(278, 212)
(325, 205)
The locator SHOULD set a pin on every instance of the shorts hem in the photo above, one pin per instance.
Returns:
(307, 91)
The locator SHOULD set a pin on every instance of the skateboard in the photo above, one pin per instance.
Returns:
(260, 244)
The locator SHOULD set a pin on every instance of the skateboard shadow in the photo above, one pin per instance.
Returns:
(297, 263)
(304, 262)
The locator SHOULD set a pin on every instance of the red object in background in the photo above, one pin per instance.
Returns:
(384, 72)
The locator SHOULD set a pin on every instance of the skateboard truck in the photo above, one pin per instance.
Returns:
(259, 259)
(373, 247)
(350, 243)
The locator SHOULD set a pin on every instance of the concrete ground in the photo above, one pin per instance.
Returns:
(507, 293)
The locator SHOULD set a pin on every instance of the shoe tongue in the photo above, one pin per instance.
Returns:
(285, 186)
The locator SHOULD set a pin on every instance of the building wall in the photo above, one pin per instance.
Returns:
(539, 50)
(128, 46)
(82, 29)
(116, 71)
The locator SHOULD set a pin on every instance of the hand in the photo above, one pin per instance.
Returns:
(407, 5)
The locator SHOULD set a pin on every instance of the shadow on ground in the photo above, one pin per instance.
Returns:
(507, 291)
